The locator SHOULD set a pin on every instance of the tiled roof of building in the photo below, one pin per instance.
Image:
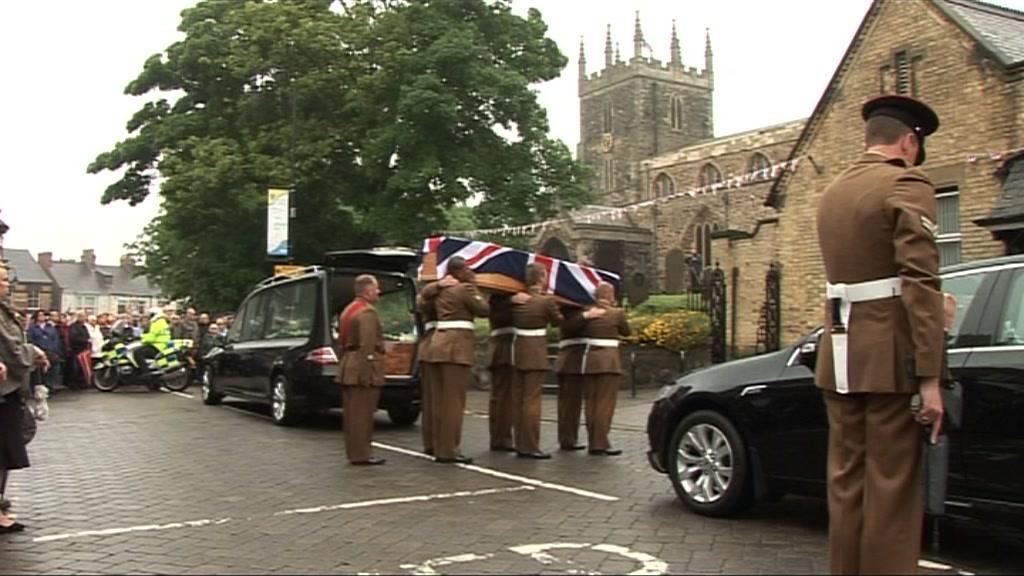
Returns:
(1009, 208)
(25, 267)
(77, 278)
(999, 30)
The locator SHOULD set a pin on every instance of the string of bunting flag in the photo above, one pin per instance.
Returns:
(994, 156)
(754, 177)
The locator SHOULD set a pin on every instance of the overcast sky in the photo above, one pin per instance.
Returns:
(66, 64)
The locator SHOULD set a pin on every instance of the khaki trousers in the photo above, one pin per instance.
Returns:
(500, 411)
(874, 484)
(525, 400)
(359, 403)
(600, 391)
(428, 377)
(449, 404)
(570, 402)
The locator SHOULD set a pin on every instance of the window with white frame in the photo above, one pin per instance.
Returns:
(33, 298)
(123, 305)
(949, 237)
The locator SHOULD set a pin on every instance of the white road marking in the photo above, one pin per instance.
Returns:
(404, 500)
(933, 565)
(507, 476)
(427, 568)
(649, 564)
(220, 521)
(539, 552)
(183, 395)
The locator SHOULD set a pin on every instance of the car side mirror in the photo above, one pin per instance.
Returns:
(809, 354)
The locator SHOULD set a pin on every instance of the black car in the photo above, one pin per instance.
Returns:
(755, 429)
(281, 348)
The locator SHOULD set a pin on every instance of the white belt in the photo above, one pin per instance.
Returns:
(847, 295)
(428, 326)
(502, 331)
(864, 291)
(455, 325)
(595, 343)
(525, 332)
(571, 342)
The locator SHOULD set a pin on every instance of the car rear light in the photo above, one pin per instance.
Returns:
(324, 356)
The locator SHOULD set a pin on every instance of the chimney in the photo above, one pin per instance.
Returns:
(46, 260)
(128, 263)
(89, 259)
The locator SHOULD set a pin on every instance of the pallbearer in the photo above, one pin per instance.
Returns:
(602, 368)
(361, 369)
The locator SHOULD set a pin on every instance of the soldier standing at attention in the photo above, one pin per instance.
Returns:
(452, 347)
(499, 360)
(530, 358)
(361, 370)
(602, 368)
(883, 340)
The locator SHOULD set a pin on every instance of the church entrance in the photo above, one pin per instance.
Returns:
(675, 271)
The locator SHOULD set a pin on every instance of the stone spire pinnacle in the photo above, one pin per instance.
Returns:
(618, 57)
(638, 38)
(583, 60)
(676, 56)
(608, 47)
(708, 56)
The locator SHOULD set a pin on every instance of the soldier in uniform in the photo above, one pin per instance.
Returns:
(569, 371)
(602, 368)
(530, 358)
(361, 370)
(499, 360)
(428, 368)
(883, 340)
(452, 347)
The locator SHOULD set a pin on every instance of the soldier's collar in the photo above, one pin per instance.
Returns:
(875, 156)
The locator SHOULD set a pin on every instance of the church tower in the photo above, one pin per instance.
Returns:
(635, 109)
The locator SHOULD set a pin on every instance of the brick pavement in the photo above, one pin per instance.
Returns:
(215, 489)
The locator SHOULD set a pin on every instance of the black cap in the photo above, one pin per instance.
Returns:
(914, 113)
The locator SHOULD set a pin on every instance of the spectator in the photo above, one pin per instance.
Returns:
(106, 323)
(43, 334)
(80, 354)
(202, 325)
(96, 339)
(177, 326)
(191, 325)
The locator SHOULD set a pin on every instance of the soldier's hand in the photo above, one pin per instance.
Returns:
(448, 281)
(594, 312)
(931, 411)
(3, 372)
(949, 308)
(520, 297)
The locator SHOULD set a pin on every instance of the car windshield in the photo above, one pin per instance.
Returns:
(395, 307)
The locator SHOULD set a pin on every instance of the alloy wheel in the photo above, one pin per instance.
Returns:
(705, 461)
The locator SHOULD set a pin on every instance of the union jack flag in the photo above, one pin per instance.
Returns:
(504, 268)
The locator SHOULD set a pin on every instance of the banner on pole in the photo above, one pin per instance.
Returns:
(278, 204)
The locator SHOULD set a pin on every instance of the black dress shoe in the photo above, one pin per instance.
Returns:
(460, 459)
(572, 447)
(428, 451)
(370, 462)
(533, 455)
(16, 527)
(502, 449)
(605, 452)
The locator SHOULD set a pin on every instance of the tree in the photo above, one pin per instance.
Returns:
(382, 116)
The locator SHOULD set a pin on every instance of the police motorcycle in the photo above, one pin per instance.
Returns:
(118, 366)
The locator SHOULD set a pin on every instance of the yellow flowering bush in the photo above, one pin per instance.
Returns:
(679, 330)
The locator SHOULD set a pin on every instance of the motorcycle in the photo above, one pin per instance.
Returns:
(118, 367)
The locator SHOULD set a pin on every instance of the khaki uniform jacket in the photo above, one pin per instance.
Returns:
(570, 358)
(541, 310)
(500, 349)
(460, 302)
(611, 326)
(15, 352)
(877, 220)
(427, 310)
(362, 359)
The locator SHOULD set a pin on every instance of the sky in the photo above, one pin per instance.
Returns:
(66, 63)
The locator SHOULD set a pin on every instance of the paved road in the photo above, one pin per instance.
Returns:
(140, 482)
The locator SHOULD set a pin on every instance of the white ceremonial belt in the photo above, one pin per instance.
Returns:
(602, 342)
(428, 326)
(864, 291)
(455, 325)
(531, 332)
(502, 331)
(571, 342)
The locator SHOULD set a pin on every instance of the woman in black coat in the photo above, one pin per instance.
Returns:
(80, 359)
(18, 359)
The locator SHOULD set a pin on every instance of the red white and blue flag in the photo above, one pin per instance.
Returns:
(571, 281)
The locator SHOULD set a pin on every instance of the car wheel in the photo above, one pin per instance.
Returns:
(282, 407)
(403, 415)
(707, 463)
(210, 395)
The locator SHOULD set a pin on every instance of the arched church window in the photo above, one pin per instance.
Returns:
(759, 162)
(709, 174)
(664, 185)
(607, 117)
(676, 112)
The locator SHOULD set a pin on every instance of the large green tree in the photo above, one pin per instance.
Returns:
(384, 116)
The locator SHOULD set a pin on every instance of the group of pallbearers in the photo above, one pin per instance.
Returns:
(589, 366)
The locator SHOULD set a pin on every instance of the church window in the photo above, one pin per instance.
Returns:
(607, 117)
(759, 162)
(903, 73)
(676, 112)
(702, 243)
(709, 175)
(949, 237)
(664, 185)
(609, 174)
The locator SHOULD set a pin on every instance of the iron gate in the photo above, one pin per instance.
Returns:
(715, 297)
(769, 327)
